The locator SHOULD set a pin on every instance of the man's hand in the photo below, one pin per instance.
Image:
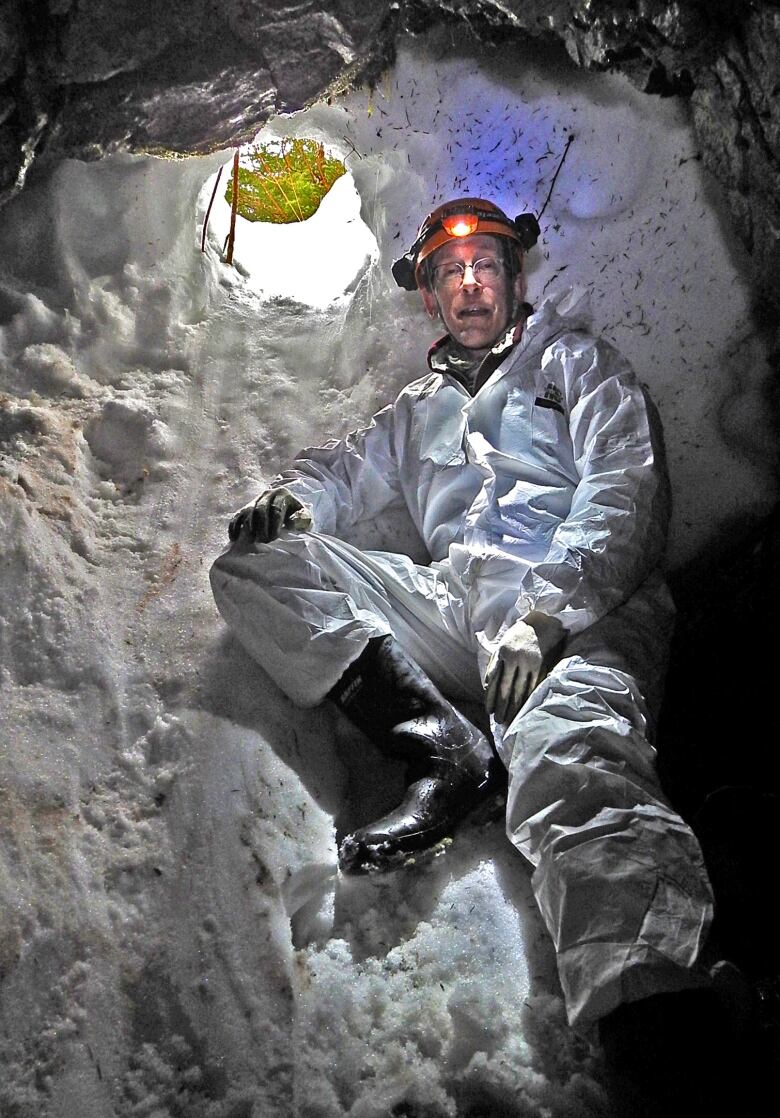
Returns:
(262, 521)
(526, 652)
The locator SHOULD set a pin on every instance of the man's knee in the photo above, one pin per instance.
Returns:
(581, 710)
(579, 746)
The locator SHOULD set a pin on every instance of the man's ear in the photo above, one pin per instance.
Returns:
(430, 302)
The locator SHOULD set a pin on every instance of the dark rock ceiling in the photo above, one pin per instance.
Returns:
(86, 77)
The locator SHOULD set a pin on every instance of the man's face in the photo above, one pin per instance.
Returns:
(475, 313)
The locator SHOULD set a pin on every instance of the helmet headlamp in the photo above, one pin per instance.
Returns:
(462, 218)
(460, 225)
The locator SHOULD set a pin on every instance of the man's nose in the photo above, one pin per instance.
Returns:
(469, 279)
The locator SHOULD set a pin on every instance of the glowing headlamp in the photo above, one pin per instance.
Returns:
(460, 225)
(462, 218)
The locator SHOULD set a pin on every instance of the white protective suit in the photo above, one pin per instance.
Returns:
(546, 490)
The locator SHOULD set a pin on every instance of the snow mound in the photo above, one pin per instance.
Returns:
(48, 369)
(128, 438)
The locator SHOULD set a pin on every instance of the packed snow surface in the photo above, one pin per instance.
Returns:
(176, 941)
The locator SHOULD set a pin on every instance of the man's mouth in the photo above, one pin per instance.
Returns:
(473, 312)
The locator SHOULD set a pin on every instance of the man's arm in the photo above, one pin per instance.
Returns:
(615, 532)
(336, 485)
(613, 536)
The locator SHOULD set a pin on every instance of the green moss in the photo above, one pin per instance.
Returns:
(284, 181)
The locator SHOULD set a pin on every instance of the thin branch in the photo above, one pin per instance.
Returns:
(233, 211)
(208, 211)
(569, 142)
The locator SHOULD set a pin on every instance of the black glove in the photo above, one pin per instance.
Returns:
(263, 520)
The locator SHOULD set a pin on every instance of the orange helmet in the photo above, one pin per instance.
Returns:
(462, 217)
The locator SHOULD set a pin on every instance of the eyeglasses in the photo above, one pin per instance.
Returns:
(450, 276)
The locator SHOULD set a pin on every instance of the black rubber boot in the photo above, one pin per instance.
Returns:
(387, 696)
(675, 1055)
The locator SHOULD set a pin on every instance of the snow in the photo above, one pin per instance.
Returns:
(176, 940)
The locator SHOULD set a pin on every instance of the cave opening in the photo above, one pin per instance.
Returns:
(311, 249)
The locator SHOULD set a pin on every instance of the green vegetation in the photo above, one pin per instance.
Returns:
(284, 181)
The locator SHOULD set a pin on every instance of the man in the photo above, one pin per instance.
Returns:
(530, 462)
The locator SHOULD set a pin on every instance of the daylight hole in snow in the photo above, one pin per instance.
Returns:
(315, 262)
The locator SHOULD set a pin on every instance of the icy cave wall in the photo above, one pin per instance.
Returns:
(166, 815)
(84, 77)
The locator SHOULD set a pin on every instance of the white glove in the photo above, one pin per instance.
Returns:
(526, 653)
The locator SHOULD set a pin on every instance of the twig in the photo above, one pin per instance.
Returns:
(208, 211)
(233, 211)
(569, 142)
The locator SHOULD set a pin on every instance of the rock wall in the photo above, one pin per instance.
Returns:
(85, 77)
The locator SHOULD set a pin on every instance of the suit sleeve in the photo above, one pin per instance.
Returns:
(615, 532)
(348, 480)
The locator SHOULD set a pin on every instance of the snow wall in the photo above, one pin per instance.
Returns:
(175, 940)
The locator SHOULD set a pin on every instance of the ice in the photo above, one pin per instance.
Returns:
(175, 939)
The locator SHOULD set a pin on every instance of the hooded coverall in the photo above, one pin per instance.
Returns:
(544, 490)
